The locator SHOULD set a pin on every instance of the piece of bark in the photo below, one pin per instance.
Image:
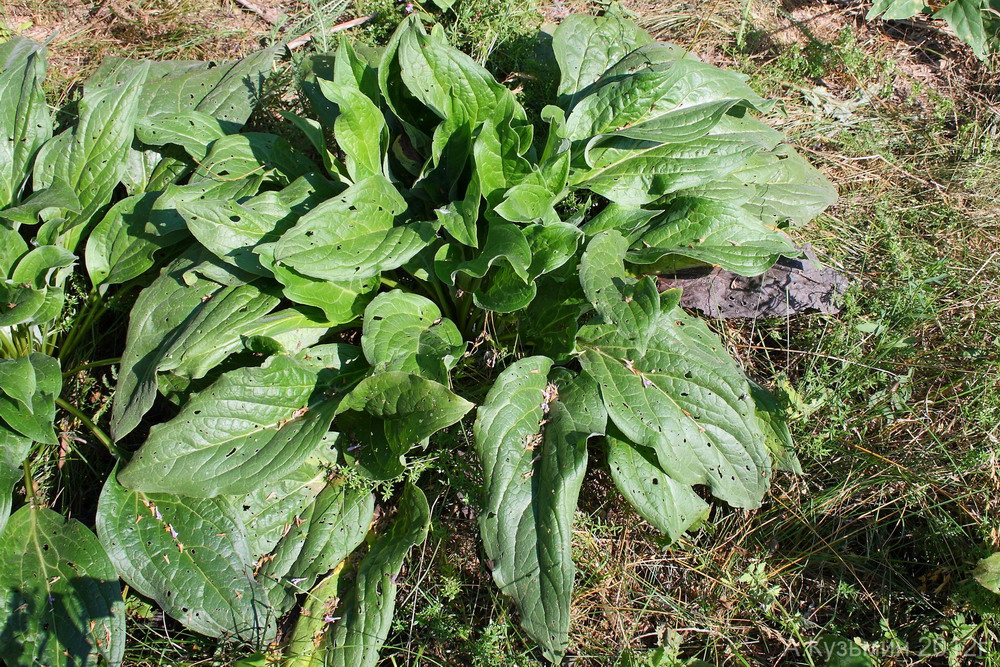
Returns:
(789, 287)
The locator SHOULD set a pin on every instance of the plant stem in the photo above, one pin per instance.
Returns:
(94, 428)
(93, 309)
(443, 302)
(92, 364)
(29, 483)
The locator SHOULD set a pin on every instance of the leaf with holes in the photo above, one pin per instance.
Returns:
(62, 601)
(190, 555)
(250, 426)
(531, 435)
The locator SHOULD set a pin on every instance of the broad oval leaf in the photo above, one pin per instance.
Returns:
(585, 46)
(685, 399)
(14, 448)
(91, 158)
(252, 425)
(270, 508)
(190, 555)
(62, 604)
(778, 185)
(192, 130)
(671, 506)
(216, 330)
(631, 307)
(28, 395)
(123, 244)
(19, 303)
(354, 236)
(359, 129)
(171, 307)
(709, 232)
(531, 436)
(318, 539)
(365, 612)
(25, 123)
(158, 317)
(405, 332)
(639, 171)
(237, 156)
(682, 98)
(390, 412)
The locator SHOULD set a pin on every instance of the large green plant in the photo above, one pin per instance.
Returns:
(437, 225)
(61, 601)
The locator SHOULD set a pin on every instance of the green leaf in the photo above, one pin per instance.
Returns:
(31, 413)
(966, 18)
(308, 643)
(893, 10)
(252, 425)
(415, 118)
(531, 435)
(14, 449)
(160, 314)
(637, 171)
(505, 242)
(313, 131)
(25, 123)
(353, 236)
(447, 81)
(269, 509)
(625, 219)
(552, 245)
(585, 46)
(57, 197)
(631, 307)
(359, 129)
(237, 156)
(62, 602)
(215, 330)
(685, 399)
(528, 203)
(233, 230)
(91, 158)
(499, 153)
(671, 506)
(460, 218)
(709, 232)
(550, 322)
(227, 90)
(775, 186)
(987, 573)
(189, 555)
(12, 248)
(18, 303)
(405, 332)
(322, 536)
(121, 247)
(192, 130)
(17, 380)
(124, 243)
(43, 266)
(843, 652)
(388, 413)
(678, 101)
(366, 609)
(341, 302)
